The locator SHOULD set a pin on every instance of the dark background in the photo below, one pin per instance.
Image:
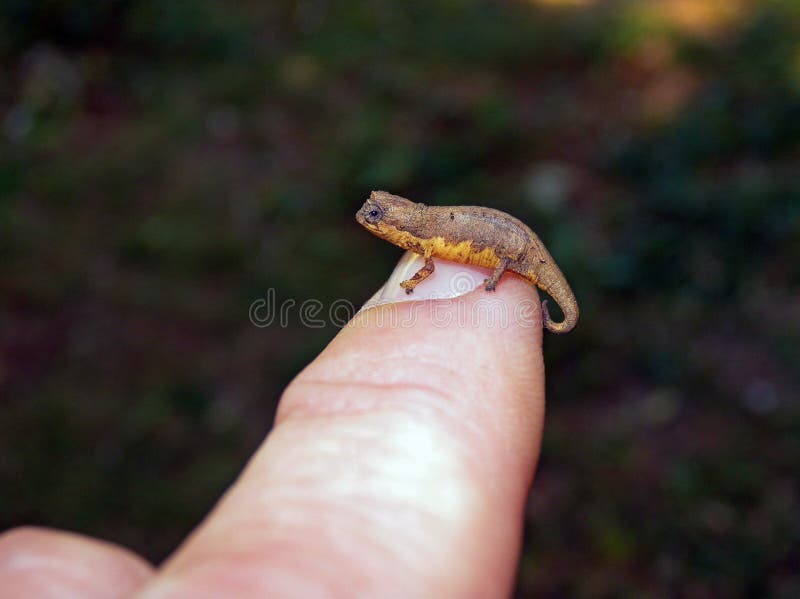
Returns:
(164, 164)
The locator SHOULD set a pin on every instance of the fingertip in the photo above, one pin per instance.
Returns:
(480, 353)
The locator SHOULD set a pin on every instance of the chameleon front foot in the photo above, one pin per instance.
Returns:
(422, 274)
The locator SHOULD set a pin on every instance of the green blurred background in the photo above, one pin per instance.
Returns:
(164, 164)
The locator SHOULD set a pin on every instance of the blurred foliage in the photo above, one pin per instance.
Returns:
(164, 164)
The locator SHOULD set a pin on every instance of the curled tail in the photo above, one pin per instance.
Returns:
(570, 317)
(545, 274)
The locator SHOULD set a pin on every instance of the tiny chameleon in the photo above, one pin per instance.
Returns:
(470, 235)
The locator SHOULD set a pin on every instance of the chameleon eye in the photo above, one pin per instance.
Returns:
(374, 215)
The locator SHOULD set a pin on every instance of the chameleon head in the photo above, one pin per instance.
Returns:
(384, 213)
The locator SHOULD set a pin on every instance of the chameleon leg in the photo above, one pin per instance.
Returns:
(422, 274)
(491, 282)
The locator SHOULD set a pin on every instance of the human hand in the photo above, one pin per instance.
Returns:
(398, 466)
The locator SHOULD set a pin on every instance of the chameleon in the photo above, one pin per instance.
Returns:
(470, 235)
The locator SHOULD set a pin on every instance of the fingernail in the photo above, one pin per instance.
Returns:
(448, 280)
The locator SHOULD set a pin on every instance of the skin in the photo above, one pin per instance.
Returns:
(471, 235)
(399, 466)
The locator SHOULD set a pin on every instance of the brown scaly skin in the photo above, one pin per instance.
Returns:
(470, 235)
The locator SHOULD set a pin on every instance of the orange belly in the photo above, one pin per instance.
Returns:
(462, 251)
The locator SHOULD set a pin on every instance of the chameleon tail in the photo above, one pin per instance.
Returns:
(550, 279)
(566, 325)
